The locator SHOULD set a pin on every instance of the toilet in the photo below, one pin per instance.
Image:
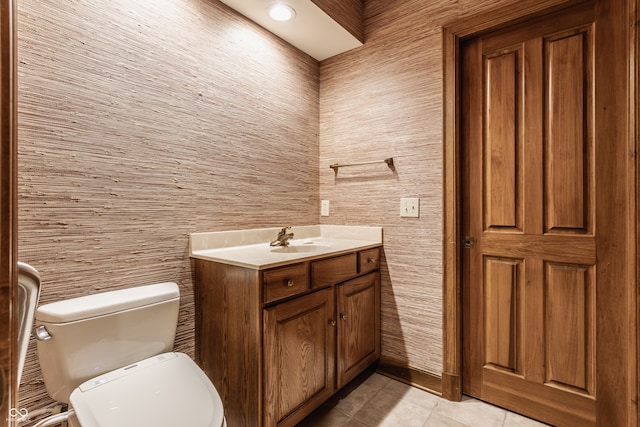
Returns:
(109, 357)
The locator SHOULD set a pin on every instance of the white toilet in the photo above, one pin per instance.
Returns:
(109, 356)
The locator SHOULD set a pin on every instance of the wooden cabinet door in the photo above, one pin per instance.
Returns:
(358, 303)
(531, 175)
(299, 357)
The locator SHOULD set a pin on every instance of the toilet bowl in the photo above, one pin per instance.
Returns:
(109, 356)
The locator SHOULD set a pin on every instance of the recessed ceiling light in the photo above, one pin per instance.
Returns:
(281, 12)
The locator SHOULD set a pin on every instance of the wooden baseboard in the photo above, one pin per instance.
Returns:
(451, 387)
(419, 379)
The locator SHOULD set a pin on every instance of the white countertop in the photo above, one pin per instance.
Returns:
(251, 249)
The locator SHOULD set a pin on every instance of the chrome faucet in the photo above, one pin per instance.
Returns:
(283, 238)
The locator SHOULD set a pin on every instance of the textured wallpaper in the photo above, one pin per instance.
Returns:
(141, 122)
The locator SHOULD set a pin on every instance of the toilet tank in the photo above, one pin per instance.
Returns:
(81, 338)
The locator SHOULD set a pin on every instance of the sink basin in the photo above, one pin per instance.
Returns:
(303, 248)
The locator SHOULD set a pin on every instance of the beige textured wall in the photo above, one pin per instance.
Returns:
(143, 121)
(385, 100)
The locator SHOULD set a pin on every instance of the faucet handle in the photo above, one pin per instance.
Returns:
(283, 231)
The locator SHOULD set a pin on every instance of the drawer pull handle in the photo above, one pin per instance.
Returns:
(289, 283)
(332, 322)
(371, 260)
(343, 316)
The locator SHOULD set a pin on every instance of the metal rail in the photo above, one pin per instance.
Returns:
(336, 166)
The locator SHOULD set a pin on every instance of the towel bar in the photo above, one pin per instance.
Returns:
(336, 166)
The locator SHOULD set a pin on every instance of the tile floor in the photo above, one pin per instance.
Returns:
(379, 401)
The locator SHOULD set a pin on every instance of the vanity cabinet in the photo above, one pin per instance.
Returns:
(279, 342)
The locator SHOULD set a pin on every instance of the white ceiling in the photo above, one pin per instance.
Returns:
(312, 30)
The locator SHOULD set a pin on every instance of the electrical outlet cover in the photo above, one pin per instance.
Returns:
(324, 208)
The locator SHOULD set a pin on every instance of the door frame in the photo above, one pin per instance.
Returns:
(618, 118)
(8, 212)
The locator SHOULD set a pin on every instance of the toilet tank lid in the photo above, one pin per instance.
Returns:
(106, 303)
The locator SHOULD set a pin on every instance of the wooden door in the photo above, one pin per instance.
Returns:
(528, 207)
(358, 345)
(299, 357)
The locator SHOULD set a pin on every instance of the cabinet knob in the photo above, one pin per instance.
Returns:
(343, 316)
(371, 260)
(289, 283)
(332, 322)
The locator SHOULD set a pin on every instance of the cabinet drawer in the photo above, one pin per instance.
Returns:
(368, 260)
(285, 282)
(334, 270)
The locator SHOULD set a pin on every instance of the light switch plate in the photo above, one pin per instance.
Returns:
(324, 208)
(410, 207)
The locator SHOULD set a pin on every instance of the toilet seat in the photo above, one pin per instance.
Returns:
(164, 390)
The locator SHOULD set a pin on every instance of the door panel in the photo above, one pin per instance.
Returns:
(503, 313)
(529, 283)
(568, 143)
(502, 183)
(569, 323)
